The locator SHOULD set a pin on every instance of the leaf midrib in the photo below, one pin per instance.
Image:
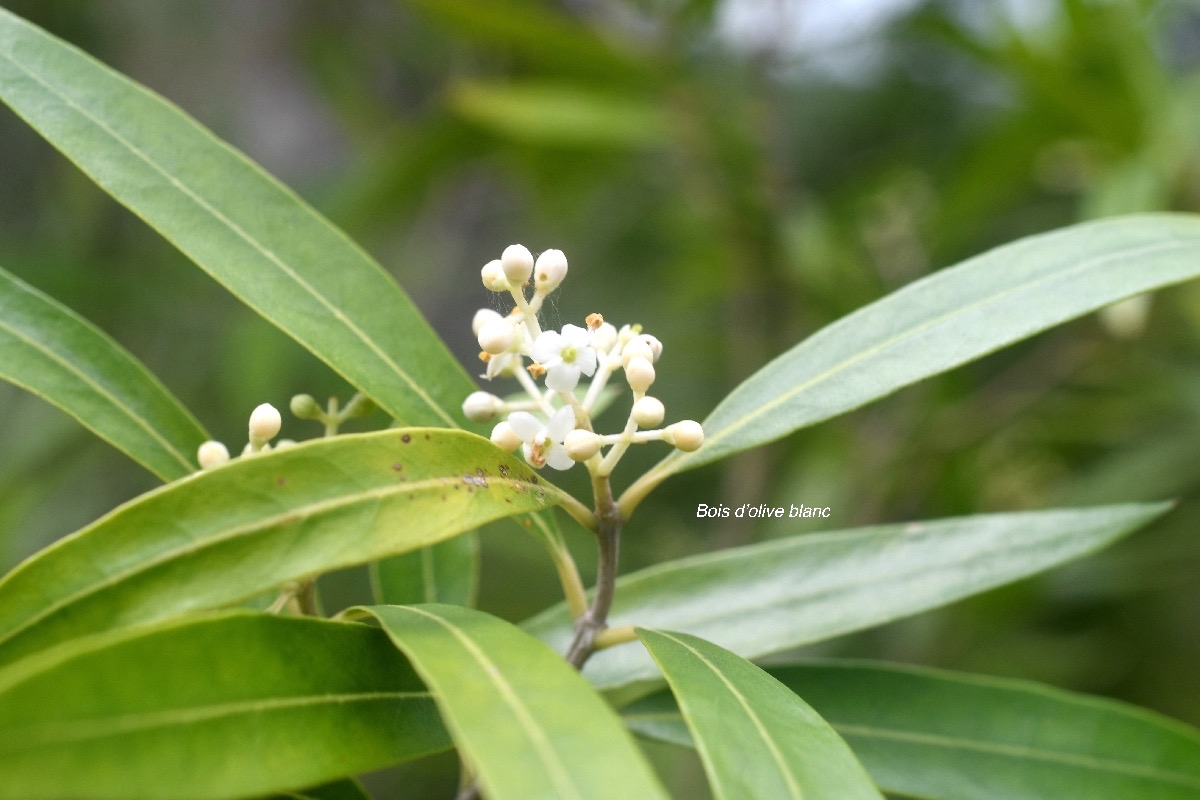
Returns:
(780, 762)
(82, 730)
(101, 390)
(197, 545)
(676, 460)
(560, 775)
(262, 250)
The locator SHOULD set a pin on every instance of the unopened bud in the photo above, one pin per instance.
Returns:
(636, 348)
(482, 406)
(517, 262)
(304, 406)
(265, 423)
(482, 317)
(581, 445)
(648, 412)
(493, 276)
(604, 337)
(504, 437)
(686, 435)
(496, 336)
(640, 373)
(653, 343)
(549, 271)
(212, 454)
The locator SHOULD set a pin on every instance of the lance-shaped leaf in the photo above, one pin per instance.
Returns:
(526, 722)
(236, 531)
(447, 572)
(757, 739)
(239, 224)
(939, 322)
(770, 597)
(56, 354)
(231, 705)
(946, 736)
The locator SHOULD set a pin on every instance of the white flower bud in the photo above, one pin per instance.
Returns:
(636, 348)
(518, 264)
(549, 271)
(648, 412)
(212, 454)
(284, 444)
(482, 317)
(640, 373)
(265, 422)
(604, 337)
(653, 343)
(493, 276)
(581, 445)
(686, 435)
(482, 406)
(1127, 318)
(504, 437)
(496, 336)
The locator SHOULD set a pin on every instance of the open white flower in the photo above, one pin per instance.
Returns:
(564, 356)
(543, 444)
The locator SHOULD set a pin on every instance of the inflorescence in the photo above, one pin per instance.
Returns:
(553, 425)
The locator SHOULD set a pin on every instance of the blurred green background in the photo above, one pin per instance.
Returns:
(733, 175)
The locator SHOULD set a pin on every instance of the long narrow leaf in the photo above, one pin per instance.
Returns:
(240, 225)
(951, 317)
(770, 597)
(757, 739)
(946, 736)
(232, 705)
(56, 354)
(237, 531)
(447, 572)
(529, 726)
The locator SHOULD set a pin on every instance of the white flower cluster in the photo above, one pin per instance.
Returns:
(553, 425)
(265, 422)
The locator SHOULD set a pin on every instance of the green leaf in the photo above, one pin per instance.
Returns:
(562, 115)
(447, 572)
(233, 532)
(757, 739)
(525, 721)
(56, 354)
(951, 317)
(770, 597)
(947, 736)
(229, 705)
(240, 225)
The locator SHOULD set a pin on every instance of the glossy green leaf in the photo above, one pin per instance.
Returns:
(232, 705)
(757, 739)
(236, 531)
(56, 354)
(946, 736)
(770, 597)
(951, 317)
(240, 225)
(527, 723)
(447, 572)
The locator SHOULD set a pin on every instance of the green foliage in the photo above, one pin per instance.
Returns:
(756, 737)
(50, 351)
(940, 735)
(126, 671)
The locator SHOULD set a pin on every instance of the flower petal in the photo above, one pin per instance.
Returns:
(575, 336)
(556, 456)
(525, 425)
(562, 377)
(562, 423)
(586, 361)
(548, 345)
